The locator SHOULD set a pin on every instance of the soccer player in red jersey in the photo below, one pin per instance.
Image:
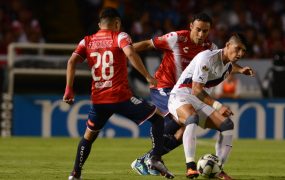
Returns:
(179, 48)
(106, 53)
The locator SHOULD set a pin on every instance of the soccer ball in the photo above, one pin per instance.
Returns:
(209, 165)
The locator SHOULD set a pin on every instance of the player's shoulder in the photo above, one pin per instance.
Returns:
(209, 54)
(122, 34)
(182, 35)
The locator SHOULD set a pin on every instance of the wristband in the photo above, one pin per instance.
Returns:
(217, 105)
(68, 91)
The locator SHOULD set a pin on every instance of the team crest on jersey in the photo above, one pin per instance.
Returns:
(186, 49)
(205, 68)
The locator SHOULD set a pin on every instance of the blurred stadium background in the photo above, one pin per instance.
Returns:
(38, 36)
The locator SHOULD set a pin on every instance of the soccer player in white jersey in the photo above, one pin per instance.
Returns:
(179, 48)
(192, 106)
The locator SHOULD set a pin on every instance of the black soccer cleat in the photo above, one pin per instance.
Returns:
(156, 163)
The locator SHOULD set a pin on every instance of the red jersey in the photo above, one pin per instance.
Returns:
(178, 53)
(108, 64)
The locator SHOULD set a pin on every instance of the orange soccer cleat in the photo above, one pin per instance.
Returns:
(192, 173)
(224, 176)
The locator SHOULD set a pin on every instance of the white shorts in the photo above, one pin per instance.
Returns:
(203, 110)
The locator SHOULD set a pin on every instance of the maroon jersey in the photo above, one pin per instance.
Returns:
(178, 53)
(108, 65)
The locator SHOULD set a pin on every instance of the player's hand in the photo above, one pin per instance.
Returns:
(68, 96)
(152, 81)
(226, 111)
(247, 71)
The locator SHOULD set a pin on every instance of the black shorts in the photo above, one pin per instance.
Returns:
(134, 109)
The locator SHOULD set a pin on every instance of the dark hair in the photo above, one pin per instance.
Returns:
(240, 37)
(202, 17)
(110, 13)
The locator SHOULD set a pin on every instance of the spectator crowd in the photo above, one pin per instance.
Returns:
(263, 21)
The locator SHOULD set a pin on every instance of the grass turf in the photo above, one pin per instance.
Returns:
(110, 159)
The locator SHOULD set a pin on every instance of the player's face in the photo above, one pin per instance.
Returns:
(236, 51)
(199, 31)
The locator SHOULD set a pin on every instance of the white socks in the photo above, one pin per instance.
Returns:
(224, 145)
(189, 142)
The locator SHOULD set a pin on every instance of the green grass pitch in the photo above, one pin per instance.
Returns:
(110, 159)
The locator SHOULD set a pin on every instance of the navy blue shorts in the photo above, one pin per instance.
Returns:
(134, 109)
(159, 98)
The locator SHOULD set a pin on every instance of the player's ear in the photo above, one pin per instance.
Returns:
(228, 44)
(191, 26)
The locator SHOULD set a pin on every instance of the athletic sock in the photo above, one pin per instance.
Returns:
(170, 143)
(226, 145)
(83, 151)
(218, 145)
(170, 126)
(156, 133)
(189, 142)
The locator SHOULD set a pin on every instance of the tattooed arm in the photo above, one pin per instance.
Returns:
(200, 93)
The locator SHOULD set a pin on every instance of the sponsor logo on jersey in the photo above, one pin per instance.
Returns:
(205, 68)
(135, 100)
(104, 84)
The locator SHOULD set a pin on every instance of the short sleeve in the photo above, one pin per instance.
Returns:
(81, 49)
(165, 42)
(124, 40)
(201, 70)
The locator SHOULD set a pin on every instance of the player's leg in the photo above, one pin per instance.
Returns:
(140, 111)
(224, 142)
(187, 115)
(171, 137)
(172, 130)
(181, 108)
(96, 120)
(225, 125)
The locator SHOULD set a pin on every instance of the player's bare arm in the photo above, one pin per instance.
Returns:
(200, 93)
(243, 70)
(143, 45)
(70, 73)
(138, 65)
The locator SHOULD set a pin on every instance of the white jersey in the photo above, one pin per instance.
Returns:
(206, 68)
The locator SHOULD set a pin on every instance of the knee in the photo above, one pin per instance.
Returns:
(91, 135)
(228, 124)
(192, 119)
